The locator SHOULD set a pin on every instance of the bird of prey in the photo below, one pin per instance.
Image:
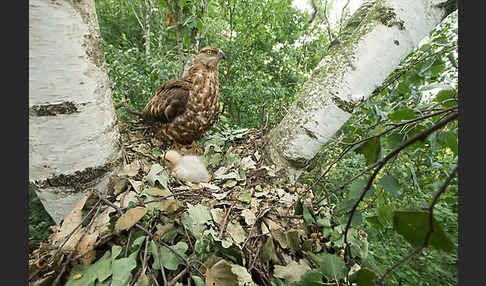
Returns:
(189, 106)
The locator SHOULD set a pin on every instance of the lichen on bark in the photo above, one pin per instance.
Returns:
(93, 43)
(81, 179)
(324, 91)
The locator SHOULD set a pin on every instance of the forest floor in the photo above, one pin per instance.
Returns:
(246, 226)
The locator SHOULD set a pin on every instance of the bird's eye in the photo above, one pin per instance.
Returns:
(209, 52)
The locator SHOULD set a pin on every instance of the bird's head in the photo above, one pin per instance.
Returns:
(210, 56)
(173, 157)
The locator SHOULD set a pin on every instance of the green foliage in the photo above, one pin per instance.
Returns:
(330, 265)
(39, 221)
(415, 226)
(267, 58)
(424, 83)
(268, 61)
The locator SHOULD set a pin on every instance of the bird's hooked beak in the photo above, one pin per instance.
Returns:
(221, 55)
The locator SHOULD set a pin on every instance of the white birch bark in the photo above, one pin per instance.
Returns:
(382, 33)
(74, 141)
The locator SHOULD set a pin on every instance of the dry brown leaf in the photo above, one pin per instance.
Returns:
(127, 197)
(236, 232)
(170, 206)
(136, 185)
(102, 220)
(130, 170)
(130, 218)
(273, 226)
(249, 216)
(218, 215)
(70, 222)
(157, 192)
(247, 163)
(88, 258)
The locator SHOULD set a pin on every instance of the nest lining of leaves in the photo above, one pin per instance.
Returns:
(245, 227)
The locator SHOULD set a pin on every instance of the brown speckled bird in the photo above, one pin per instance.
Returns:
(189, 106)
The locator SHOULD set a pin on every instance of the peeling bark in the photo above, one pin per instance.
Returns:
(74, 141)
(366, 54)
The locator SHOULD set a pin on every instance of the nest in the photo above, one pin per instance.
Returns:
(246, 226)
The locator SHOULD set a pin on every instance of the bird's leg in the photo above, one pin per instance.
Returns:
(196, 149)
(175, 146)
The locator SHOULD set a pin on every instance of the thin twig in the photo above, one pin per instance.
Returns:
(128, 243)
(68, 259)
(178, 276)
(261, 215)
(385, 159)
(225, 221)
(164, 279)
(146, 231)
(168, 247)
(370, 168)
(429, 233)
(71, 234)
(314, 12)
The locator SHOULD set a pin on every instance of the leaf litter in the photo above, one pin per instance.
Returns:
(243, 227)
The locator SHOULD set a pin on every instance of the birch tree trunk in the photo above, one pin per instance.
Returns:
(376, 38)
(74, 141)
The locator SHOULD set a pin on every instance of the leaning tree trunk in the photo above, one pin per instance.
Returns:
(376, 38)
(74, 143)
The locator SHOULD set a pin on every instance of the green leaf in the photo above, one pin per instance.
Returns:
(293, 240)
(330, 265)
(299, 209)
(414, 225)
(449, 140)
(390, 184)
(356, 220)
(375, 223)
(371, 150)
(169, 259)
(345, 205)
(414, 177)
(278, 282)
(81, 275)
(196, 218)
(267, 252)
(122, 269)
(323, 222)
(394, 140)
(403, 88)
(357, 187)
(385, 215)
(197, 280)
(364, 277)
(103, 266)
(402, 114)
(143, 280)
(115, 251)
(312, 278)
(308, 218)
(157, 173)
(446, 94)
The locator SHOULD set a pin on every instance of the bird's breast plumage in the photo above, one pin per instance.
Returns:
(202, 109)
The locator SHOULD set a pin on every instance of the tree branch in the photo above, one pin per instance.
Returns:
(382, 162)
(429, 233)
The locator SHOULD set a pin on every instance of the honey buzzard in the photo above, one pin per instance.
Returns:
(189, 106)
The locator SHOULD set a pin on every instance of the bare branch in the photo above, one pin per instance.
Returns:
(429, 233)
(385, 159)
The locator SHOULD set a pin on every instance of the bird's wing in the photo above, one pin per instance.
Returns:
(169, 101)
